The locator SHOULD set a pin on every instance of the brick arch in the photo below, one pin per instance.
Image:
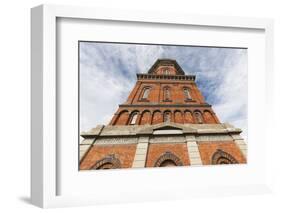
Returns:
(188, 117)
(222, 157)
(178, 117)
(145, 117)
(122, 118)
(132, 114)
(168, 156)
(208, 117)
(198, 117)
(108, 162)
(157, 117)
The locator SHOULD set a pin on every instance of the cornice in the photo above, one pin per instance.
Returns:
(166, 105)
(141, 76)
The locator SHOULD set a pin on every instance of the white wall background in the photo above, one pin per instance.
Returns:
(15, 104)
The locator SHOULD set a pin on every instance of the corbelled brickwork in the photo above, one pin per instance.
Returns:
(164, 122)
(125, 154)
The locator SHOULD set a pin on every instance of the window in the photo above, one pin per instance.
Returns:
(105, 166)
(166, 72)
(145, 93)
(167, 117)
(109, 162)
(168, 159)
(168, 163)
(221, 157)
(167, 94)
(134, 119)
(198, 117)
(187, 95)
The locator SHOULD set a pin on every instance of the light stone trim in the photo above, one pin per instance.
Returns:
(190, 138)
(236, 137)
(193, 151)
(239, 141)
(167, 139)
(242, 146)
(167, 132)
(116, 140)
(208, 138)
(141, 152)
(84, 147)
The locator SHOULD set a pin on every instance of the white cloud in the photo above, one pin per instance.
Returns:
(232, 92)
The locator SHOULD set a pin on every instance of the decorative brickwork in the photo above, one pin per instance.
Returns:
(164, 122)
(168, 158)
(156, 151)
(208, 149)
(109, 162)
(165, 88)
(124, 153)
(221, 157)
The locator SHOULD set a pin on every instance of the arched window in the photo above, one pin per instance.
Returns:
(134, 118)
(105, 166)
(109, 162)
(168, 163)
(221, 157)
(186, 93)
(198, 117)
(167, 95)
(168, 159)
(145, 93)
(167, 117)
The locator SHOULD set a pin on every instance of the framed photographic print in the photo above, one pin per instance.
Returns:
(117, 94)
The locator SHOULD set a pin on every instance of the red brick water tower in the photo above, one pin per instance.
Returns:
(164, 122)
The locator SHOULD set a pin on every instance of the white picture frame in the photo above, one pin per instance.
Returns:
(44, 148)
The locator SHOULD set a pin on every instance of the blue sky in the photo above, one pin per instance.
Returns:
(108, 74)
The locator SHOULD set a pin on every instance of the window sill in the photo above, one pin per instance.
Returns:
(143, 100)
(167, 100)
(189, 100)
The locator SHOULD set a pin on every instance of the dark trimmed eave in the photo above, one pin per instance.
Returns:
(165, 105)
(141, 76)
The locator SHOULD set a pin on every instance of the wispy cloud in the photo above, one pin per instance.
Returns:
(108, 73)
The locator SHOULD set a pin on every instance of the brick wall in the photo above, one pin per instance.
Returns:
(124, 152)
(207, 149)
(148, 111)
(156, 94)
(156, 150)
(145, 118)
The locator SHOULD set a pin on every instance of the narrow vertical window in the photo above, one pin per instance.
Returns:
(166, 72)
(166, 94)
(187, 95)
(198, 117)
(134, 119)
(145, 93)
(167, 117)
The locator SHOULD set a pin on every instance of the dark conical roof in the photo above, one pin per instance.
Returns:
(166, 61)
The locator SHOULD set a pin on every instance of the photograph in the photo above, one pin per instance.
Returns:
(161, 105)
